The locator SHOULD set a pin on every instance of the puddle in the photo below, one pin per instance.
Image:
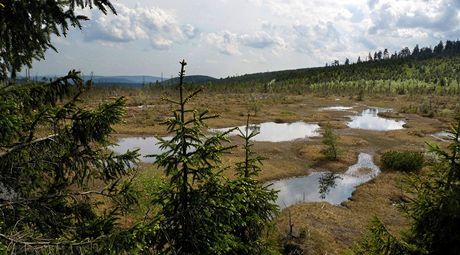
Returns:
(369, 119)
(444, 136)
(279, 132)
(336, 108)
(146, 146)
(144, 106)
(307, 188)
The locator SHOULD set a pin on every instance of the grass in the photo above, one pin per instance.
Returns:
(333, 229)
(329, 229)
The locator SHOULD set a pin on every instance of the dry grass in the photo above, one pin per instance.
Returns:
(330, 229)
(333, 229)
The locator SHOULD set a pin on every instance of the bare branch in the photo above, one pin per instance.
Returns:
(22, 145)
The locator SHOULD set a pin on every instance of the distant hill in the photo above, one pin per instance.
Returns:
(190, 79)
(135, 79)
(439, 65)
(98, 80)
(132, 81)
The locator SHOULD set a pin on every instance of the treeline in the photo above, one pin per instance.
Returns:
(438, 66)
(448, 49)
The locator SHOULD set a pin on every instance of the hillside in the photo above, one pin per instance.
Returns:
(190, 79)
(428, 70)
(134, 79)
(431, 66)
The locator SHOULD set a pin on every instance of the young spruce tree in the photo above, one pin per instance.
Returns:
(194, 218)
(52, 152)
(201, 211)
(255, 200)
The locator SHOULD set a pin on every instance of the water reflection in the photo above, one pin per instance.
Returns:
(444, 136)
(336, 108)
(146, 146)
(369, 119)
(279, 132)
(308, 188)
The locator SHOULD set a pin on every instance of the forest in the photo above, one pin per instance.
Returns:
(371, 149)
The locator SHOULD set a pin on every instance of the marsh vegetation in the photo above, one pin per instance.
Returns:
(357, 158)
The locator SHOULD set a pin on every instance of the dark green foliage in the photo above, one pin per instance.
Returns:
(330, 140)
(255, 201)
(201, 211)
(27, 27)
(406, 161)
(192, 219)
(51, 152)
(421, 74)
(379, 241)
(434, 209)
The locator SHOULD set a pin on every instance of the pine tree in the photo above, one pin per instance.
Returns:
(435, 210)
(51, 152)
(201, 211)
(330, 140)
(386, 54)
(438, 48)
(415, 51)
(195, 217)
(255, 201)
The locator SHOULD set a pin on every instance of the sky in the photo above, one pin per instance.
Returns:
(224, 38)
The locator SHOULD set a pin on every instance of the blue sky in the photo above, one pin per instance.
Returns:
(233, 37)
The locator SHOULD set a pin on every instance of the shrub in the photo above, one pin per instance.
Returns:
(406, 161)
(330, 140)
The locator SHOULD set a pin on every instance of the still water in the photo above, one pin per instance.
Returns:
(336, 108)
(146, 146)
(279, 132)
(307, 188)
(369, 119)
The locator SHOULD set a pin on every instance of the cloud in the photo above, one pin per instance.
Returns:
(419, 16)
(372, 3)
(153, 24)
(260, 40)
(229, 43)
(226, 42)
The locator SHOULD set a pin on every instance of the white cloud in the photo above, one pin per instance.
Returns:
(243, 36)
(154, 24)
(226, 42)
(229, 43)
(261, 39)
(428, 15)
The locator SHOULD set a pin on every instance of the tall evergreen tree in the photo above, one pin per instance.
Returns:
(195, 217)
(201, 211)
(386, 54)
(415, 51)
(255, 201)
(380, 55)
(51, 152)
(438, 48)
